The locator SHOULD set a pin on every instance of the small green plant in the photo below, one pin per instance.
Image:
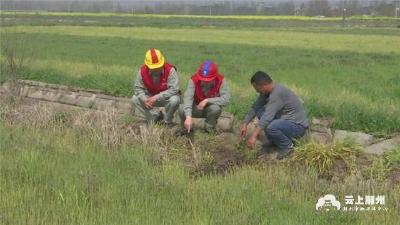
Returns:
(208, 160)
(393, 158)
(60, 117)
(384, 165)
(14, 51)
(379, 169)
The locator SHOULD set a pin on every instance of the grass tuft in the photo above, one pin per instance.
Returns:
(323, 157)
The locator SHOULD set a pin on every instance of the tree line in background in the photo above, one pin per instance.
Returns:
(307, 8)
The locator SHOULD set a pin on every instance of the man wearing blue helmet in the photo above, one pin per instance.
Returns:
(206, 93)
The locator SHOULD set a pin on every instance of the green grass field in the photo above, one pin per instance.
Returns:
(60, 176)
(65, 176)
(338, 72)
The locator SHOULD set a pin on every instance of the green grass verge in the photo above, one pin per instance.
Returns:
(63, 176)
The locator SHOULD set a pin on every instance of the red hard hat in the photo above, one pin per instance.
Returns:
(208, 71)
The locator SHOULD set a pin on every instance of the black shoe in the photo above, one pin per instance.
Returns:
(183, 132)
(268, 149)
(165, 124)
(210, 130)
(159, 118)
(284, 153)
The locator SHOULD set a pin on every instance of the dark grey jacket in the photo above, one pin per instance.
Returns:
(281, 103)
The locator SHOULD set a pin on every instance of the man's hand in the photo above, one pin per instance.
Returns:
(243, 130)
(188, 123)
(202, 104)
(251, 142)
(150, 101)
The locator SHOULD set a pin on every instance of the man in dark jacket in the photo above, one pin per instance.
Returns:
(280, 112)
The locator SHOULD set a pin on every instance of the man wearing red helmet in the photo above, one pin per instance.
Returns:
(157, 85)
(206, 93)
